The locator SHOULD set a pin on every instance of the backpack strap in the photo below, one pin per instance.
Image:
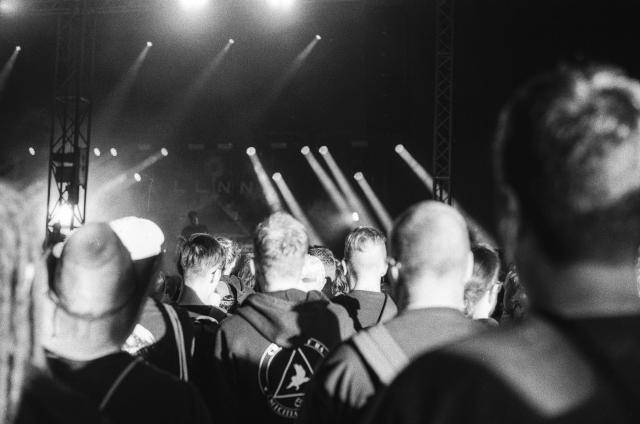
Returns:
(384, 306)
(179, 336)
(381, 352)
(117, 383)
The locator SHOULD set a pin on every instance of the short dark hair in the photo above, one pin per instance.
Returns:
(567, 147)
(199, 253)
(231, 250)
(486, 266)
(361, 237)
(328, 260)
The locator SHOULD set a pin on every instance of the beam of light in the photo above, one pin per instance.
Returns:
(289, 73)
(378, 208)
(347, 191)
(124, 180)
(327, 183)
(5, 73)
(295, 208)
(427, 180)
(270, 194)
(115, 102)
(184, 106)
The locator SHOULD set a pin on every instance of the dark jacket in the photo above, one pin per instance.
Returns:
(126, 390)
(367, 308)
(268, 351)
(345, 383)
(585, 371)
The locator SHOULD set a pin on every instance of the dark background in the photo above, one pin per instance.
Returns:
(366, 86)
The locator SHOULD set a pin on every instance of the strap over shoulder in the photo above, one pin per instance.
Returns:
(381, 352)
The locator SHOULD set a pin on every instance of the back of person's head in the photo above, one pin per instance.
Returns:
(482, 290)
(515, 302)
(199, 257)
(19, 285)
(102, 277)
(231, 253)
(313, 276)
(245, 270)
(328, 260)
(568, 161)
(280, 246)
(430, 246)
(365, 254)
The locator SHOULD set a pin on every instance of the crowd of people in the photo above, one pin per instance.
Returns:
(421, 325)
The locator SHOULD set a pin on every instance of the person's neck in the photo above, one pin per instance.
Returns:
(202, 288)
(274, 284)
(366, 283)
(80, 349)
(583, 289)
(434, 294)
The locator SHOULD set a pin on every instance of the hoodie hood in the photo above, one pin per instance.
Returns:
(287, 317)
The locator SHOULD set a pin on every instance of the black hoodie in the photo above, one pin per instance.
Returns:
(269, 350)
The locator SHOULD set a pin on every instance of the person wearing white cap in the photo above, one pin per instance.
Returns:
(100, 282)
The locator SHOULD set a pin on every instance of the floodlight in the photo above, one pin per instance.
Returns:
(164, 152)
(231, 41)
(251, 151)
(318, 37)
(96, 151)
(399, 148)
(323, 150)
(137, 177)
(18, 48)
(358, 176)
(149, 44)
(355, 217)
(277, 176)
(32, 151)
(113, 152)
(305, 150)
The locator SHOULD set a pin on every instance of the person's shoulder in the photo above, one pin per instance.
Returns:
(531, 361)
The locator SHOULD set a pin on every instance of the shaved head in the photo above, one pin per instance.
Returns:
(430, 239)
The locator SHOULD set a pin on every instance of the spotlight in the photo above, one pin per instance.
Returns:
(149, 44)
(113, 152)
(358, 176)
(8, 6)
(137, 177)
(164, 152)
(231, 41)
(281, 4)
(277, 176)
(193, 4)
(318, 37)
(399, 148)
(305, 150)
(18, 48)
(323, 150)
(355, 217)
(96, 151)
(251, 151)
(32, 151)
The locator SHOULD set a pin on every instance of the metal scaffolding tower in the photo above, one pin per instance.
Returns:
(443, 110)
(71, 119)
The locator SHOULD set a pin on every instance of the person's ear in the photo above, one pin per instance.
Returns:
(345, 269)
(469, 268)
(393, 272)
(217, 274)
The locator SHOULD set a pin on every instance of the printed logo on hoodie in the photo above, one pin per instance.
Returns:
(283, 373)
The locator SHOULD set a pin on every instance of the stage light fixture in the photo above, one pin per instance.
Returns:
(18, 48)
(113, 152)
(399, 148)
(277, 176)
(358, 176)
(305, 150)
(137, 177)
(318, 37)
(32, 151)
(149, 44)
(164, 151)
(231, 41)
(355, 217)
(96, 151)
(323, 150)
(251, 151)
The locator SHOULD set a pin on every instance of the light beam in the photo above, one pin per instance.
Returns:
(270, 194)
(5, 73)
(295, 208)
(327, 183)
(376, 204)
